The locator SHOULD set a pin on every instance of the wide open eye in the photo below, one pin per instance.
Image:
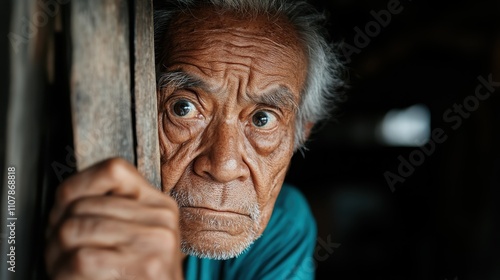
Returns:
(184, 109)
(263, 119)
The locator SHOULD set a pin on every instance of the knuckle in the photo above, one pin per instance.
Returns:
(166, 217)
(66, 232)
(115, 167)
(73, 228)
(171, 201)
(78, 207)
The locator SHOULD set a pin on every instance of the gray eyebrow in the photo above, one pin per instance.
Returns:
(281, 98)
(179, 79)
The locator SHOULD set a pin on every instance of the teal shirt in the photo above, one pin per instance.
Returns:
(283, 252)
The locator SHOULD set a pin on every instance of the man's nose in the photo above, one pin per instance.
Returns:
(223, 160)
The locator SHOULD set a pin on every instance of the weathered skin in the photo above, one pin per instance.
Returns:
(108, 219)
(217, 153)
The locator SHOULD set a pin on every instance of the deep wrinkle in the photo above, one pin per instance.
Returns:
(230, 68)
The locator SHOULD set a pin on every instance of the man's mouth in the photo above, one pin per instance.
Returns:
(211, 211)
(192, 205)
(214, 220)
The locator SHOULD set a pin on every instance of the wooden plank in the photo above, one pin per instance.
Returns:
(100, 81)
(146, 112)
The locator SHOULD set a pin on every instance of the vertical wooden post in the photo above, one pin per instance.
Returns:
(146, 112)
(113, 100)
(100, 81)
(101, 84)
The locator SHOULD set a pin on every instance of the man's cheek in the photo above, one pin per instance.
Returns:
(175, 161)
(272, 170)
(178, 132)
(271, 188)
(267, 208)
(171, 174)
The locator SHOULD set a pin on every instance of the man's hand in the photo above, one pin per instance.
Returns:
(108, 220)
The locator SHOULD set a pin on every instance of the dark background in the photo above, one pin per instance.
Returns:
(443, 221)
(4, 75)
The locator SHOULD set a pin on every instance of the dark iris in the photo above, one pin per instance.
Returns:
(260, 119)
(182, 108)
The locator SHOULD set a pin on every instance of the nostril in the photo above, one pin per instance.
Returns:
(219, 170)
(208, 175)
(221, 162)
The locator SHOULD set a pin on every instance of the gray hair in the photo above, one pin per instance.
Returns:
(321, 91)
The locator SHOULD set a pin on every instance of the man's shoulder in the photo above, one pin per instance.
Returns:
(293, 202)
(281, 252)
(285, 244)
(291, 215)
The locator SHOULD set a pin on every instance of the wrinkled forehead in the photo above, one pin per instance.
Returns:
(261, 24)
(270, 40)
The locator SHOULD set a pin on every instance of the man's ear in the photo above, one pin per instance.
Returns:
(308, 129)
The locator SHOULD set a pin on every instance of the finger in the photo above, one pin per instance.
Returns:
(105, 264)
(124, 209)
(114, 176)
(88, 263)
(97, 231)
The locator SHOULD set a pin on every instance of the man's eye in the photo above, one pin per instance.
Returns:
(262, 119)
(184, 109)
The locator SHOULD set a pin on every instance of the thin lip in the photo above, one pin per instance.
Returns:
(224, 211)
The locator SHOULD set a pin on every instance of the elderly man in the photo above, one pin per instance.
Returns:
(240, 85)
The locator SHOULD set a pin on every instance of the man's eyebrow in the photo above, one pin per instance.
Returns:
(281, 98)
(179, 79)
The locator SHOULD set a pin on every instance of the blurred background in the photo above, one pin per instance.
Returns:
(395, 210)
(405, 182)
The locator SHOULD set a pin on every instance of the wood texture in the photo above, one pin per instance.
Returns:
(100, 81)
(146, 112)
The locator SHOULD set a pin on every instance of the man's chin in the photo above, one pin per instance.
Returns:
(216, 235)
(216, 245)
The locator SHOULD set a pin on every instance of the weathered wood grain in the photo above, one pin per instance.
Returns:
(100, 81)
(146, 112)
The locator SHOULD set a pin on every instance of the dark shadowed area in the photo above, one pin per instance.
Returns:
(405, 184)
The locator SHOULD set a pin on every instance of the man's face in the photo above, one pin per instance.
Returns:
(227, 121)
